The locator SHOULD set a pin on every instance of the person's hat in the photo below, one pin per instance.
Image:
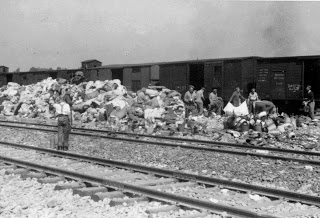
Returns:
(203, 88)
(191, 86)
(262, 114)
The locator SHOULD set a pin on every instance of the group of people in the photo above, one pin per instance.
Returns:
(194, 102)
(255, 106)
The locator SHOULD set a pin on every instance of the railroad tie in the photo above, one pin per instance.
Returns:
(34, 175)
(89, 191)
(162, 209)
(72, 185)
(102, 195)
(51, 179)
(128, 201)
(19, 171)
(7, 167)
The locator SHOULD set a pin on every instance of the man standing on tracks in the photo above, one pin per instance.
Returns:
(253, 97)
(62, 110)
(199, 100)
(216, 103)
(236, 97)
(310, 102)
(189, 98)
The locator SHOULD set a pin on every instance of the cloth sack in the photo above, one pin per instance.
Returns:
(242, 110)
(228, 109)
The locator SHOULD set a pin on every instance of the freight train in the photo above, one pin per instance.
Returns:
(279, 79)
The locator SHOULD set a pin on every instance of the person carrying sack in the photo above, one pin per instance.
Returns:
(236, 98)
(63, 111)
(189, 98)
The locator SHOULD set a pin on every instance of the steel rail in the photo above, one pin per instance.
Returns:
(276, 193)
(200, 148)
(137, 189)
(213, 143)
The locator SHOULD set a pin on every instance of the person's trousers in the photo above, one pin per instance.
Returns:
(216, 107)
(200, 108)
(189, 108)
(63, 132)
(311, 109)
(251, 108)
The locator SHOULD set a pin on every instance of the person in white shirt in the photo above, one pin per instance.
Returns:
(199, 100)
(216, 103)
(253, 97)
(62, 110)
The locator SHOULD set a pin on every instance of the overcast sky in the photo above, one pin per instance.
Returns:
(62, 33)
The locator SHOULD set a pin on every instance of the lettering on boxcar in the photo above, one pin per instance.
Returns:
(294, 87)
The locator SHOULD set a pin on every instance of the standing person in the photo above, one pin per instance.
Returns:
(236, 98)
(253, 97)
(62, 110)
(199, 100)
(310, 102)
(216, 103)
(67, 98)
(189, 98)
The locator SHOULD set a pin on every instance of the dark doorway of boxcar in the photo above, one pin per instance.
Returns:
(53, 75)
(117, 74)
(197, 75)
(312, 76)
(9, 78)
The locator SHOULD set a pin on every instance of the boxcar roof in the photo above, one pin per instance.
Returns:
(174, 62)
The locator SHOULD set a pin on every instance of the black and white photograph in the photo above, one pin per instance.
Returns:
(159, 109)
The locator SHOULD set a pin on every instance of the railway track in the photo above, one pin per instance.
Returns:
(311, 158)
(110, 179)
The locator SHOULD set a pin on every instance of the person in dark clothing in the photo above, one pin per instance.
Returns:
(189, 99)
(310, 102)
(236, 98)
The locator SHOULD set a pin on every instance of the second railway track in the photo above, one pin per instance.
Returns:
(238, 149)
(149, 182)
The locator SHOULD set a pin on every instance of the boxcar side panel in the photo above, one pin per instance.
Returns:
(16, 78)
(247, 76)
(232, 78)
(179, 77)
(166, 76)
(104, 74)
(263, 80)
(93, 74)
(277, 82)
(294, 81)
(3, 80)
(145, 76)
(213, 77)
(154, 72)
(127, 78)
